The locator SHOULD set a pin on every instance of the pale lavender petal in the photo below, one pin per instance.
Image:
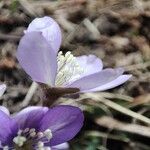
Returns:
(97, 79)
(63, 146)
(2, 89)
(8, 128)
(30, 116)
(37, 58)
(64, 121)
(5, 110)
(29, 109)
(50, 30)
(118, 81)
(91, 64)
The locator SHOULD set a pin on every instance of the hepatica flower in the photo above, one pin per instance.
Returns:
(38, 55)
(39, 128)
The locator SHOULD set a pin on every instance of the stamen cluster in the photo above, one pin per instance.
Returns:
(68, 69)
(30, 136)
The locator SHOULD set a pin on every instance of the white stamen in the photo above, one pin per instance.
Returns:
(33, 134)
(40, 144)
(40, 134)
(38, 138)
(19, 140)
(48, 134)
(19, 132)
(42, 147)
(26, 130)
(68, 69)
(32, 130)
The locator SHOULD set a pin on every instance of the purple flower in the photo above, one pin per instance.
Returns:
(2, 89)
(37, 55)
(40, 128)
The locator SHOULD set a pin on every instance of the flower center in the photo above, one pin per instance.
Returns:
(29, 139)
(68, 69)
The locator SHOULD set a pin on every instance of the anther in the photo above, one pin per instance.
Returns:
(26, 130)
(40, 134)
(32, 134)
(19, 132)
(32, 130)
(19, 140)
(40, 144)
(68, 69)
(48, 134)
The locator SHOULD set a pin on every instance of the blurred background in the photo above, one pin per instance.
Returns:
(118, 32)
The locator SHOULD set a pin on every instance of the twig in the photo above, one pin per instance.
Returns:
(98, 134)
(116, 106)
(72, 34)
(140, 100)
(116, 96)
(62, 18)
(67, 25)
(30, 93)
(28, 8)
(9, 37)
(53, 4)
(104, 135)
(92, 28)
(131, 128)
(137, 66)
